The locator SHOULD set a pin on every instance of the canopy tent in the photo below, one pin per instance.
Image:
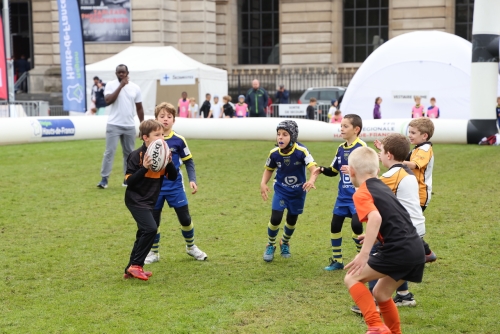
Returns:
(425, 63)
(162, 72)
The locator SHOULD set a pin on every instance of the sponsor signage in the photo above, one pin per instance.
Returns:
(106, 21)
(53, 127)
(292, 109)
(408, 95)
(179, 78)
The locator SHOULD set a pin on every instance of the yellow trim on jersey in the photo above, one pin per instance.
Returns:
(358, 140)
(306, 152)
(172, 133)
(269, 168)
(289, 153)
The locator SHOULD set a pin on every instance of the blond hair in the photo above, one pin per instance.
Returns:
(423, 125)
(168, 107)
(364, 161)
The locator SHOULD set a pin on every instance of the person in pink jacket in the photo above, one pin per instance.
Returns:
(433, 110)
(418, 110)
(241, 107)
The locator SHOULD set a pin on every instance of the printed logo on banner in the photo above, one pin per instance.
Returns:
(408, 95)
(53, 128)
(292, 109)
(183, 78)
(75, 93)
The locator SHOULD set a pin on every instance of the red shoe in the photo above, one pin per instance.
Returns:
(137, 272)
(147, 273)
(378, 330)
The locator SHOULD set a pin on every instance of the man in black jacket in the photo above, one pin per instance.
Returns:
(256, 100)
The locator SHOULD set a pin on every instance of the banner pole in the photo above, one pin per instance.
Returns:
(10, 63)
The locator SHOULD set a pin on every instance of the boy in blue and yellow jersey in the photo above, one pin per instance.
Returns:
(290, 160)
(173, 191)
(350, 127)
(143, 187)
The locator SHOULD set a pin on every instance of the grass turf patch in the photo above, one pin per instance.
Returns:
(64, 244)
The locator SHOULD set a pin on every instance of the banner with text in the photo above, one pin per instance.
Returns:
(72, 56)
(292, 109)
(106, 21)
(178, 78)
(4, 92)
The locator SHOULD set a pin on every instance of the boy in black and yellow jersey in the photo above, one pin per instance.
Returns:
(143, 188)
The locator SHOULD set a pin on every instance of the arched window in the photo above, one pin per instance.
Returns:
(366, 25)
(463, 18)
(258, 29)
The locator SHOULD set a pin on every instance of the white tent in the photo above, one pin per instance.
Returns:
(425, 63)
(160, 67)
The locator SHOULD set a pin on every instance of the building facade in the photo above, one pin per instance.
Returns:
(254, 34)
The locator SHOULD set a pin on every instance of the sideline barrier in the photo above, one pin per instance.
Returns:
(41, 129)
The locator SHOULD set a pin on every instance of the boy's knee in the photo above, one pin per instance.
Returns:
(380, 293)
(349, 281)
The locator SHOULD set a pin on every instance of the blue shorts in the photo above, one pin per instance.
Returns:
(344, 210)
(294, 205)
(174, 200)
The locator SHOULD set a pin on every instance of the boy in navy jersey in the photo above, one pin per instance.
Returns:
(350, 127)
(173, 191)
(290, 160)
(143, 187)
(400, 255)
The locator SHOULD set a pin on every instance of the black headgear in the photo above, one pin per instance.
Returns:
(292, 128)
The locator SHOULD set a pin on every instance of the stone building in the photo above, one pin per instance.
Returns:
(242, 34)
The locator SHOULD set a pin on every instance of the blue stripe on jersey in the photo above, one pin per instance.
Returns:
(290, 169)
(346, 188)
(180, 153)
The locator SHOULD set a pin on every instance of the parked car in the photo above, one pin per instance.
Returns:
(324, 95)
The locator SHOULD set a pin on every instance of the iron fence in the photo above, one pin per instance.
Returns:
(296, 81)
(24, 108)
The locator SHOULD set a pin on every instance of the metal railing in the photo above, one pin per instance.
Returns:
(296, 81)
(57, 111)
(23, 83)
(24, 108)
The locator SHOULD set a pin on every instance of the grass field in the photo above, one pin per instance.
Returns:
(64, 244)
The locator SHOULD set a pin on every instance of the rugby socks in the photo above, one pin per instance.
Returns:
(391, 316)
(272, 232)
(156, 244)
(188, 234)
(357, 242)
(364, 299)
(337, 247)
(287, 233)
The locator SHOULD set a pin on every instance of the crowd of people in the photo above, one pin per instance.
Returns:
(417, 111)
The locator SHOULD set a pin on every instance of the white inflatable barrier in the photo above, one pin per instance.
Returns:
(41, 129)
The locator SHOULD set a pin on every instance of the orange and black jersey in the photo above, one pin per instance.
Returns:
(143, 185)
(423, 156)
(400, 243)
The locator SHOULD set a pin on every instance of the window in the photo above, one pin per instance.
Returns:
(366, 25)
(463, 18)
(258, 32)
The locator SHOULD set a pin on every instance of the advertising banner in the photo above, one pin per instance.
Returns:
(179, 78)
(292, 109)
(72, 56)
(106, 21)
(4, 92)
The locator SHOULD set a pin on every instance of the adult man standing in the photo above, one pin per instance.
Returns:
(256, 100)
(282, 95)
(123, 98)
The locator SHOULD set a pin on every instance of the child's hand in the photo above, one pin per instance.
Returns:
(361, 238)
(377, 144)
(170, 157)
(194, 187)
(308, 186)
(264, 190)
(147, 161)
(345, 169)
(317, 171)
(356, 266)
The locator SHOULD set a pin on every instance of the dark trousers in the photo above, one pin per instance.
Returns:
(145, 236)
(260, 114)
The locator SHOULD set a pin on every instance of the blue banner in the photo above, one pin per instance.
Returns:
(72, 56)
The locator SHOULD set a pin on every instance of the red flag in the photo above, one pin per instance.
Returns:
(4, 93)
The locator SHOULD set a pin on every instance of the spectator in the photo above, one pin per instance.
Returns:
(433, 110)
(418, 110)
(337, 117)
(311, 107)
(498, 112)
(23, 66)
(241, 107)
(216, 110)
(282, 95)
(100, 101)
(256, 99)
(183, 106)
(206, 107)
(125, 100)
(333, 109)
(227, 108)
(376, 109)
(193, 108)
(93, 90)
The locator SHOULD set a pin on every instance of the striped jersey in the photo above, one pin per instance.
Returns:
(423, 157)
(290, 169)
(180, 153)
(346, 188)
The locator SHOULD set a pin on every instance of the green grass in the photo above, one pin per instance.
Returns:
(64, 243)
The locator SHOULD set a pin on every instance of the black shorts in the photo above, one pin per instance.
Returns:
(412, 273)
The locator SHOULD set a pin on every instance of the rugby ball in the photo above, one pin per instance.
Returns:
(159, 153)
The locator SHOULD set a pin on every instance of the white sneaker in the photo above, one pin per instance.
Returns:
(197, 253)
(152, 257)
